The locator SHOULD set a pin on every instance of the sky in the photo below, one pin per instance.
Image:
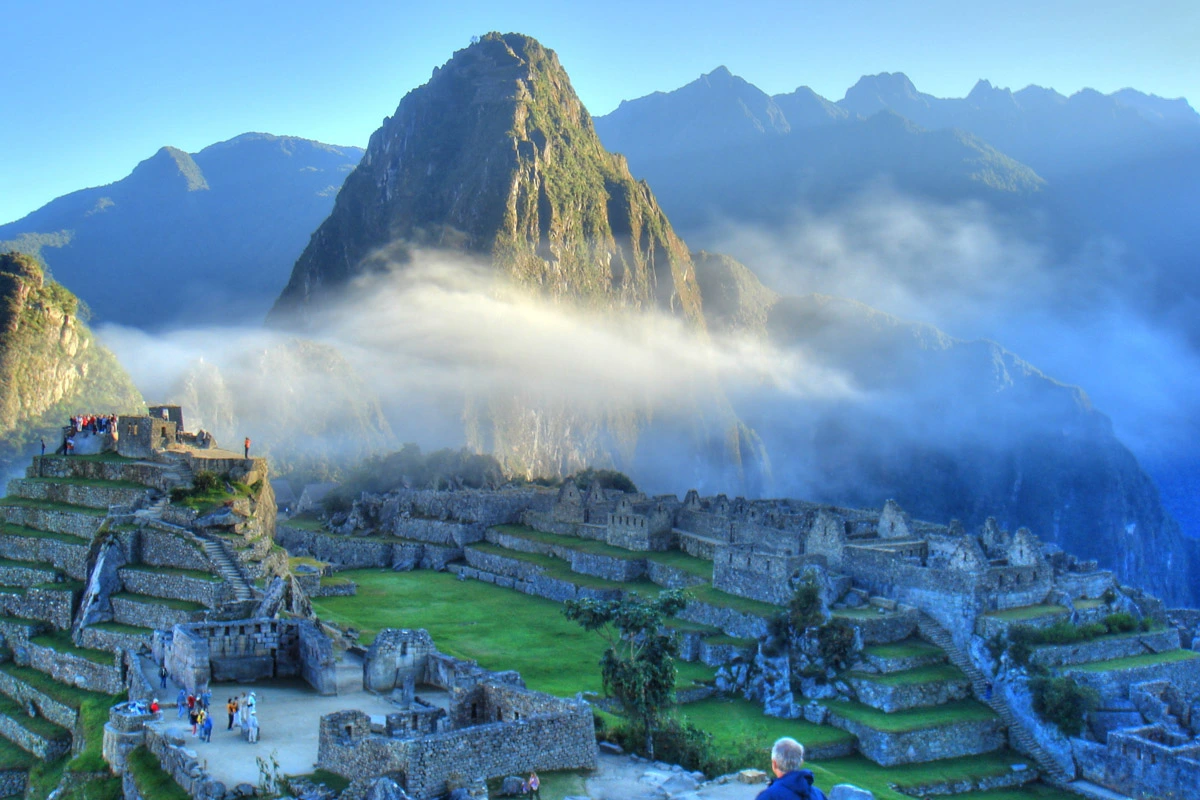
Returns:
(93, 88)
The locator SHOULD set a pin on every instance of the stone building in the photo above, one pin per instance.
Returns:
(489, 726)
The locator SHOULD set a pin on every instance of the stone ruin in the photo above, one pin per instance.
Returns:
(481, 724)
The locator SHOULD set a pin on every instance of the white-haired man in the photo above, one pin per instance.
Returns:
(791, 782)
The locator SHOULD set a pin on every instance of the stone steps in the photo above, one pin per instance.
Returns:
(1021, 736)
(227, 569)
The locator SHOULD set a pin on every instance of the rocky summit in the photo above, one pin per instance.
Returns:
(496, 156)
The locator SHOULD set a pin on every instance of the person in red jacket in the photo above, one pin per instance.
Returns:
(246, 444)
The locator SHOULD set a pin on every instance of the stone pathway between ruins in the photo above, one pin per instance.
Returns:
(288, 714)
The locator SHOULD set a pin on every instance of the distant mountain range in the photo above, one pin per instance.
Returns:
(189, 239)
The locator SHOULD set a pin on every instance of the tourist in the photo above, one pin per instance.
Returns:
(231, 707)
(154, 706)
(181, 703)
(162, 675)
(243, 711)
(43, 447)
(191, 703)
(252, 728)
(535, 784)
(246, 445)
(206, 698)
(251, 705)
(206, 727)
(791, 782)
(194, 718)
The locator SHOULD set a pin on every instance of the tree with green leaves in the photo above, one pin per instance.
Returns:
(638, 667)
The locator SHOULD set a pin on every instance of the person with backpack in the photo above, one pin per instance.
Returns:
(791, 782)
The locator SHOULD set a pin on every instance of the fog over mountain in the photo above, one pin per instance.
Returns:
(1070, 244)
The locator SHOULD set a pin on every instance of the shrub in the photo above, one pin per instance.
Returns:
(205, 481)
(607, 478)
(1109, 597)
(804, 609)
(1063, 702)
(1121, 622)
(835, 644)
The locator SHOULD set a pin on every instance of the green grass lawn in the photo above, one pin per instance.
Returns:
(52, 505)
(909, 648)
(305, 522)
(198, 574)
(1129, 662)
(552, 653)
(60, 586)
(93, 714)
(912, 719)
(14, 590)
(560, 570)
(736, 723)
(169, 602)
(13, 757)
(306, 561)
(935, 673)
(1025, 613)
(715, 597)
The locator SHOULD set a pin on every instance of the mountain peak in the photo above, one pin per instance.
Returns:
(887, 90)
(168, 167)
(496, 156)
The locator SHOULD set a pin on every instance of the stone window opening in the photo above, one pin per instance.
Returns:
(404, 648)
(474, 711)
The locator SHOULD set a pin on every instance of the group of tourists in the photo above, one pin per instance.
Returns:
(242, 712)
(93, 424)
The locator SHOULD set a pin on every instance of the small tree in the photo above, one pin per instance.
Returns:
(638, 667)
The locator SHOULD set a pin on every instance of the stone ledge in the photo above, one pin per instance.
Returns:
(927, 744)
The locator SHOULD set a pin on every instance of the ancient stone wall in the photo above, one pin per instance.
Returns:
(909, 747)
(744, 571)
(1144, 762)
(162, 549)
(58, 713)
(396, 657)
(147, 474)
(73, 523)
(71, 669)
(104, 639)
(1104, 649)
(183, 587)
(898, 697)
(1113, 685)
(26, 574)
(247, 650)
(561, 737)
(734, 623)
(671, 577)
(55, 606)
(42, 747)
(13, 782)
(178, 760)
(78, 494)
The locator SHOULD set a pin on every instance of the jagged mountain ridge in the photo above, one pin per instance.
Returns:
(496, 156)
(51, 367)
(189, 239)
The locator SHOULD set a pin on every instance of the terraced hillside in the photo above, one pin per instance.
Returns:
(94, 557)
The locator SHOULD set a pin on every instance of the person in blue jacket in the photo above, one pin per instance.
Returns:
(791, 782)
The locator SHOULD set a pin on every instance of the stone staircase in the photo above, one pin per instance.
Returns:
(226, 565)
(1024, 739)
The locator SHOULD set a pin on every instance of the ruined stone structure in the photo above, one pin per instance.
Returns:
(492, 725)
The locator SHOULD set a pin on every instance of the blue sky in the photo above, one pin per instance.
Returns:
(93, 88)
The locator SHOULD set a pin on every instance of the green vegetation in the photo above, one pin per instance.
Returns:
(638, 665)
(560, 570)
(305, 522)
(151, 779)
(169, 602)
(306, 561)
(93, 714)
(34, 533)
(935, 673)
(197, 574)
(441, 469)
(607, 478)
(715, 597)
(13, 757)
(909, 648)
(734, 721)
(553, 654)
(208, 492)
(60, 642)
(868, 775)
(1131, 662)
(1063, 702)
(38, 725)
(671, 558)
(122, 628)
(69, 696)
(52, 505)
(1025, 613)
(805, 608)
(1022, 639)
(912, 719)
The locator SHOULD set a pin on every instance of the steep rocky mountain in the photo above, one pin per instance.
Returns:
(51, 367)
(496, 159)
(206, 238)
(496, 156)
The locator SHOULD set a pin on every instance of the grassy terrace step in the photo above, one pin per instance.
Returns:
(305, 522)
(552, 653)
(558, 569)
(912, 719)
(39, 725)
(13, 757)
(8, 529)
(17, 590)
(92, 482)
(909, 648)
(70, 696)
(736, 720)
(861, 772)
(936, 673)
(122, 628)
(198, 574)
(169, 602)
(671, 558)
(1026, 613)
(60, 642)
(1088, 605)
(1131, 662)
(51, 505)
(151, 779)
